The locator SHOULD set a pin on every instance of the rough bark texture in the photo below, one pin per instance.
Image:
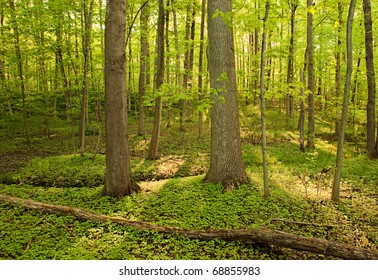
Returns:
(253, 236)
(370, 111)
(118, 171)
(226, 164)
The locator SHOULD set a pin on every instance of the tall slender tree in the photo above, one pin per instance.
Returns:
(20, 68)
(200, 68)
(263, 107)
(339, 157)
(144, 71)
(86, 48)
(158, 82)
(226, 163)
(338, 64)
(293, 4)
(310, 77)
(119, 182)
(370, 110)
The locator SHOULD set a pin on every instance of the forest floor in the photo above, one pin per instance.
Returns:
(50, 170)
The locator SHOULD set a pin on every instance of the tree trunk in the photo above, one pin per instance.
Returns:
(370, 110)
(262, 98)
(310, 79)
(302, 113)
(338, 66)
(144, 66)
(226, 163)
(339, 156)
(86, 45)
(187, 63)
(118, 171)
(178, 55)
(20, 69)
(159, 79)
(249, 236)
(290, 67)
(200, 70)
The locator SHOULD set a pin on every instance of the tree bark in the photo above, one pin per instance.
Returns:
(290, 67)
(249, 236)
(338, 66)
(200, 69)
(370, 110)
(144, 66)
(159, 79)
(310, 79)
(339, 156)
(20, 68)
(118, 170)
(263, 109)
(86, 46)
(226, 163)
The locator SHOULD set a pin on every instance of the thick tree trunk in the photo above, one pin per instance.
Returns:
(118, 171)
(369, 50)
(339, 156)
(251, 236)
(226, 163)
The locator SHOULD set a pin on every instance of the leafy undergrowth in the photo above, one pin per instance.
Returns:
(300, 183)
(184, 202)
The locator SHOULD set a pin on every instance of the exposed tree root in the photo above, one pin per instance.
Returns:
(254, 236)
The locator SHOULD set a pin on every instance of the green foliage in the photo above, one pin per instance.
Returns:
(185, 202)
(63, 171)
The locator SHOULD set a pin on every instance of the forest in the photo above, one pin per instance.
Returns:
(188, 130)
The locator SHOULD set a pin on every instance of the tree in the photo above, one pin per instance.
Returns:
(290, 67)
(310, 79)
(226, 163)
(200, 68)
(338, 64)
(20, 68)
(118, 171)
(370, 109)
(339, 156)
(262, 97)
(86, 47)
(158, 82)
(144, 73)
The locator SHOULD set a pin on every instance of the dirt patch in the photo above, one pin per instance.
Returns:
(153, 186)
(169, 165)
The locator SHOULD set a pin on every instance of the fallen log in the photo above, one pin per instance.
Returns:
(251, 236)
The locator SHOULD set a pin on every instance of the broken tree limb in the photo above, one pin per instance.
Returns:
(301, 223)
(254, 236)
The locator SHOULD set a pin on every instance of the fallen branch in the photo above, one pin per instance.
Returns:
(301, 223)
(254, 236)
